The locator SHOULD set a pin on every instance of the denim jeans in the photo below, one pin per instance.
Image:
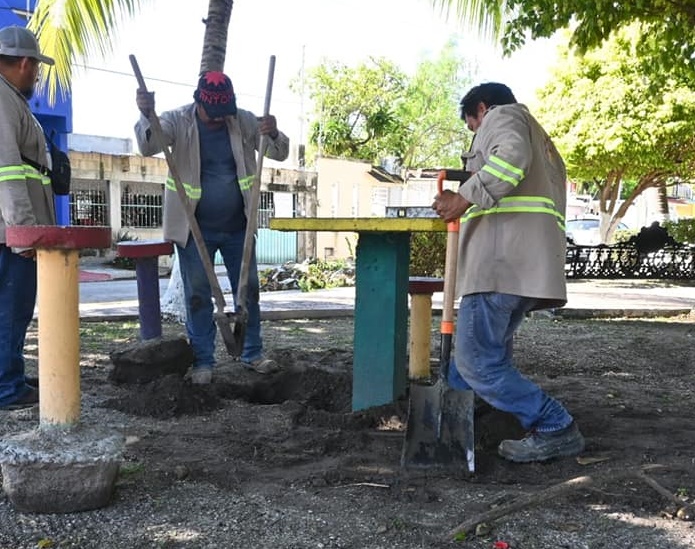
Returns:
(200, 323)
(484, 339)
(17, 302)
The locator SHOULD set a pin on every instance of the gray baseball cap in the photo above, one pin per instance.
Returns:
(20, 42)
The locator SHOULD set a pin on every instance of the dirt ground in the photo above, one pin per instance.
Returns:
(281, 461)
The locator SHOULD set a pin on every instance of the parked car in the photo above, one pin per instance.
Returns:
(585, 231)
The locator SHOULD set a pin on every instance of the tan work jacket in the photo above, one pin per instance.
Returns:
(26, 197)
(513, 239)
(181, 132)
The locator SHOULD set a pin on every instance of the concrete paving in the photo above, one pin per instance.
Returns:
(116, 297)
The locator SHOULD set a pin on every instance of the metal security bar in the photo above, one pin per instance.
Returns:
(266, 209)
(141, 206)
(89, 203)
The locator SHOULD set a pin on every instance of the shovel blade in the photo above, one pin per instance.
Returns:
(439, 432)
(232, 328)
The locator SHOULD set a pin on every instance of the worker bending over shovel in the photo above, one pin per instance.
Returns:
(214, 148)
(511, 261)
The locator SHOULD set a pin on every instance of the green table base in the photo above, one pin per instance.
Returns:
(381, 305)
(381, 318)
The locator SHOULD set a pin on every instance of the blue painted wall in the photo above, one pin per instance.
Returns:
(56, 119)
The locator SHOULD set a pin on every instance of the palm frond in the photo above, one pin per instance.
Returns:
(484, 16)
(68, 29)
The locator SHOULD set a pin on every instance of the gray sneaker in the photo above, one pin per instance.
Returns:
(201, 376)
(543, 446)
(263, 366)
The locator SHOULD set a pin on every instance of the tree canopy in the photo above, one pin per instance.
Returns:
(605, 117)
(667, 25)
(374, 110)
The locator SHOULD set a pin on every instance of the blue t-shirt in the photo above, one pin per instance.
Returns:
(221, 206)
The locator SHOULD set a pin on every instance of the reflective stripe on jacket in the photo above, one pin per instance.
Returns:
(26, 197)
(181, 133)
(512, 239)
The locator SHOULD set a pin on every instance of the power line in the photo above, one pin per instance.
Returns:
(172, 82)
(121, 73)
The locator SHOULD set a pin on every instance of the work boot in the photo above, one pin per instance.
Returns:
(537, 446)
(27, 400)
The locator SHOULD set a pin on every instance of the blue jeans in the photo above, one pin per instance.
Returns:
(200, 323)
(484, 339)
(17, 301)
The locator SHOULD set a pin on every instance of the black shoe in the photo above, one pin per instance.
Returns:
(543, 446)
(29, 398)
(31, 381)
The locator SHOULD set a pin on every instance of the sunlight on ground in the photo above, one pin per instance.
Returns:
(173, 535)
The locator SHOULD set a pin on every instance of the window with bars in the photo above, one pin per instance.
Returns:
(141, 205)
(89, 203)
(266, 209)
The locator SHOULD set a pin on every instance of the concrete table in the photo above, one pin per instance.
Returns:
(146, 255)
(62, 466)
(381, 299)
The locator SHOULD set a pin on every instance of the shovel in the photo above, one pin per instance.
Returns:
(233, 339)
(439, 431)
(240, 317)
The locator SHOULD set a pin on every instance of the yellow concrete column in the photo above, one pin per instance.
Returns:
(59, 336)
(420, 335)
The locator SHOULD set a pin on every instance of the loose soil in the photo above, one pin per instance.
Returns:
(281, 461)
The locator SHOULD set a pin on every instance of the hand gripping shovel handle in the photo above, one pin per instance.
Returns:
(447, 324)
(252, 221)
(158, 134)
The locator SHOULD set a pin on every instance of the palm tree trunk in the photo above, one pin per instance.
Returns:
(215, 39)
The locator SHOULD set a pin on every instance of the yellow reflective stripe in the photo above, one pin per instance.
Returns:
(517, 198)
(192, 192)
(507, 166)
(514, 176)
(245, 183)
(499, 175)
(476, 211)
(8, 173)
(23, 171)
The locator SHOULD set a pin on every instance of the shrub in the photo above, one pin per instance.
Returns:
(124, 262)
(682, 231)
(427, 254)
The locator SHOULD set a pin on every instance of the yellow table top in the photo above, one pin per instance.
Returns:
(358, 224)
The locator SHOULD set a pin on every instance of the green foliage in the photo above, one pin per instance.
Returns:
(374, 110)
(355, 108)
(71, 30)
(682, 231)
(604, 119)
(427, 254)
(667, 26)
(321, 274)
(610, 126)
(124, 262)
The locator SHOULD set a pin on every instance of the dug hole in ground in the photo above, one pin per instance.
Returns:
(281, 461)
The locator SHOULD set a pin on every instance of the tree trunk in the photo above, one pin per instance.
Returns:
(663, 202)
(215, 40)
